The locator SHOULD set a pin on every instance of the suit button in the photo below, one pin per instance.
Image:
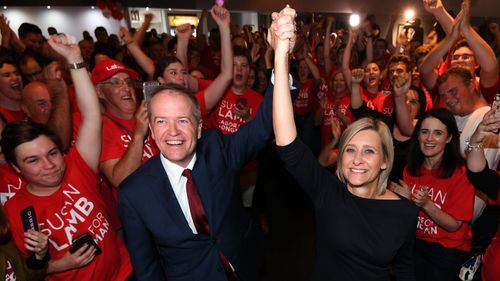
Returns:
(214, 241)
(219, 269)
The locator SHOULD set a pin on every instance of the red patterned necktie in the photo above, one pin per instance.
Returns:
(200, 219)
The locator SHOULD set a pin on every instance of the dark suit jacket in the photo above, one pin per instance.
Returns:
(160, 242)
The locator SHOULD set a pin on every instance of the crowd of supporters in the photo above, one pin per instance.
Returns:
(76, 123)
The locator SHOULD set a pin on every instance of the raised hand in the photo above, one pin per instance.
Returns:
(336, 131)
(466, 15)
(457, 26)
(255, 52)
(487, 127)
(124, 35)
(141, 117)
(148, 17)
(221, 15)
(357, 75)
(184, 31)
(66, 46)
(494, 27)
(4, 26)
(283, 29)
(402, 84)
(432, 6)
(37, 243)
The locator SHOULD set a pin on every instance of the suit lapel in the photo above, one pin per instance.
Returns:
(162, 192)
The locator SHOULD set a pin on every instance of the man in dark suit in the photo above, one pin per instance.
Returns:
(163, 237)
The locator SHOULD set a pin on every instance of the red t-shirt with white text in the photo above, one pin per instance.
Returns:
(223, 116)
(306, 101)
(454, 196)
(75, 208)
(10, 182)
(383, 103)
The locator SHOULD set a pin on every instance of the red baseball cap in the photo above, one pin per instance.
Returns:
(107, 68)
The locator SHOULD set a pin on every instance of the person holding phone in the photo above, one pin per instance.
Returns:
(12, 263)
(487, 181)
(63, 189)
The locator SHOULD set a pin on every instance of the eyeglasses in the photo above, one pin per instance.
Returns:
(118, 82)
(463, 56)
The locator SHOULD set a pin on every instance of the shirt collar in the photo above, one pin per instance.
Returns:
(173, 170)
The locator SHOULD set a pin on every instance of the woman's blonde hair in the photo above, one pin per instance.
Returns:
(386, 143)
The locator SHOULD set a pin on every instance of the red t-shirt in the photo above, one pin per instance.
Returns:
(75, 208)
(223, 116)
(203, 84)
(329, 116)
(455, 196)
(380, 102)
(13, 115)
(306, 101)
(10, 182)
(116, 135)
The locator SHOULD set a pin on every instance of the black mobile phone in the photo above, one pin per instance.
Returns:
(83, 239)
(28, 218)
(148, 88)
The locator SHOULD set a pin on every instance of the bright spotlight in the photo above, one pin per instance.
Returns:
(354, 20)
(48, 7)
(409, 14)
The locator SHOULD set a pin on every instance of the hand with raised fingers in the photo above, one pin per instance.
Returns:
(4, 26)
(66, 46)
(457, 26)
(466, 15)
(221, 15)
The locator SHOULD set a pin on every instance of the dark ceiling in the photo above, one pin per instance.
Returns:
(380, 7)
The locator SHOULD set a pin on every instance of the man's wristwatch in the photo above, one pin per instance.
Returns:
(76, 65)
